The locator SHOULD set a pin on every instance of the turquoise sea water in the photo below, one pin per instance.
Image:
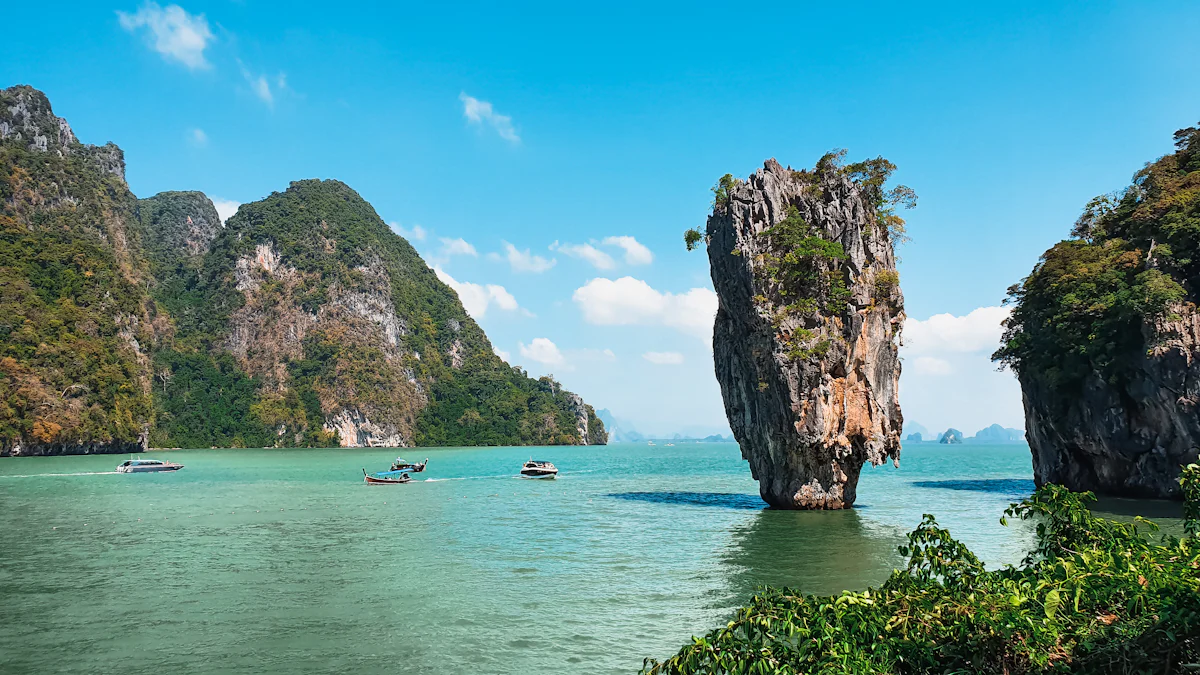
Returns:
(284, 561)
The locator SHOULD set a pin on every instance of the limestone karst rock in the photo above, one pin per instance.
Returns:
(302, 321)
(805, 340)
(1104, 337)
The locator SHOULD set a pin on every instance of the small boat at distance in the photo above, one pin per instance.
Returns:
(387, 477)
(536, 469)
(147, 466)
(400, 465)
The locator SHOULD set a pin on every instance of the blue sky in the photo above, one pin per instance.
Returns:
(530, 124)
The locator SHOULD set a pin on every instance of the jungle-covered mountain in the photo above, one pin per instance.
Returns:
(1105, 337)
(302, 321)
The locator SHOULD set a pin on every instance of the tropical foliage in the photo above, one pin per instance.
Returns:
(72, 307)
(120, 316)
(1090, 301)
(1094, 597)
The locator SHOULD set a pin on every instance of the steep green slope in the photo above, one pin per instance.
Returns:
(304, 321)
(72, 299)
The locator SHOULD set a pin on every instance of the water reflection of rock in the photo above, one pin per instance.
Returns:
(822, 552)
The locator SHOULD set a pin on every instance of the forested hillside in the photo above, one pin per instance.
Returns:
(303, 321)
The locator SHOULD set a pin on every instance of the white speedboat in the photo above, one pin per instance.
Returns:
(535, 469)
(147, 466)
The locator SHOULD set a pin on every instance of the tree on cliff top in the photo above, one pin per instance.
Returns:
(871, 175)
(1134, 255)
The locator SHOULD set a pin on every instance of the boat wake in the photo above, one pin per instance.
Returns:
(82, 473)
(438, 480)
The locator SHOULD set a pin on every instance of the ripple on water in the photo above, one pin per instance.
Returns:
(283, 561)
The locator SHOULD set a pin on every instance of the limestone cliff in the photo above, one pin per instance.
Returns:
(805, 340)
(1105, 337)
(75, 324)
(303, 321)
(1130, 437)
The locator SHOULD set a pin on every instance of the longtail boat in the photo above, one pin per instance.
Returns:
(387, 477)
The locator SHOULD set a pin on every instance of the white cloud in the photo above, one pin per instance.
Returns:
(978, 331)
(664, 358)
(414, 233)
(480, 113)
(628, 301)
(457, 246)
(261, 85)
(543, 351)
(198, 138)
(947, 348)
(477, 298)
(502, 354)
(599, 259)
(172, 32)
(635, 252)
(225, 207)
(524, 261)
(931, 365)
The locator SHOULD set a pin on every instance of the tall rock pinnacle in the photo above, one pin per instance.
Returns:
(805, 341)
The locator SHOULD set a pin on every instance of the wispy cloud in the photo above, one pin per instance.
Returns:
(459, 246)
(198, 138)
(664, 358)
(414, 233)
(267, 89)
(635, 252)
(523, 261)
(599, 259)
(478, 298)
(481, 113)
(172, 32)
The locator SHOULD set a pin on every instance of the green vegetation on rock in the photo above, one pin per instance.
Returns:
(1094, 597)
(1135, 255)
(302, 320)
(72, 301)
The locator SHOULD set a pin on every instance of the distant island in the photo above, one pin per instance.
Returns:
(993, 434)
(622, 431)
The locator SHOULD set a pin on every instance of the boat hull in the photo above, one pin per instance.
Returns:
(539, 476)
(371, 480)
(149, 469)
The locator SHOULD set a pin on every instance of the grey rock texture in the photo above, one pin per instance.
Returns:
(23, 449)
(1128, 439)
(806, 422)
(354, 430)
(28, 119)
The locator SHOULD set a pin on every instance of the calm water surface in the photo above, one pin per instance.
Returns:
(283, 561)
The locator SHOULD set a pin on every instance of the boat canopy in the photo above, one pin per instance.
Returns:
(385, 474)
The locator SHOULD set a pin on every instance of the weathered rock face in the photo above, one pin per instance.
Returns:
(809, 383)
(1128, 439)
(303, 321)
(354, 430)
(27, 120)
(40, 449)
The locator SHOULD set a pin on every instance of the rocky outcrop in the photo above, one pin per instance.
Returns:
(1128, 438)
(354, 430)
(805, 347)
(28, 121)
(588, 426)
(950, 436)
(302, 321)
(1104, 337)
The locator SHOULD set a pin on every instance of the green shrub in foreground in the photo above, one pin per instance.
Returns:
(1095, 596)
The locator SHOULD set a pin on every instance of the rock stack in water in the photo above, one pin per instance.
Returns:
(805, 341)
(1105, 337)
